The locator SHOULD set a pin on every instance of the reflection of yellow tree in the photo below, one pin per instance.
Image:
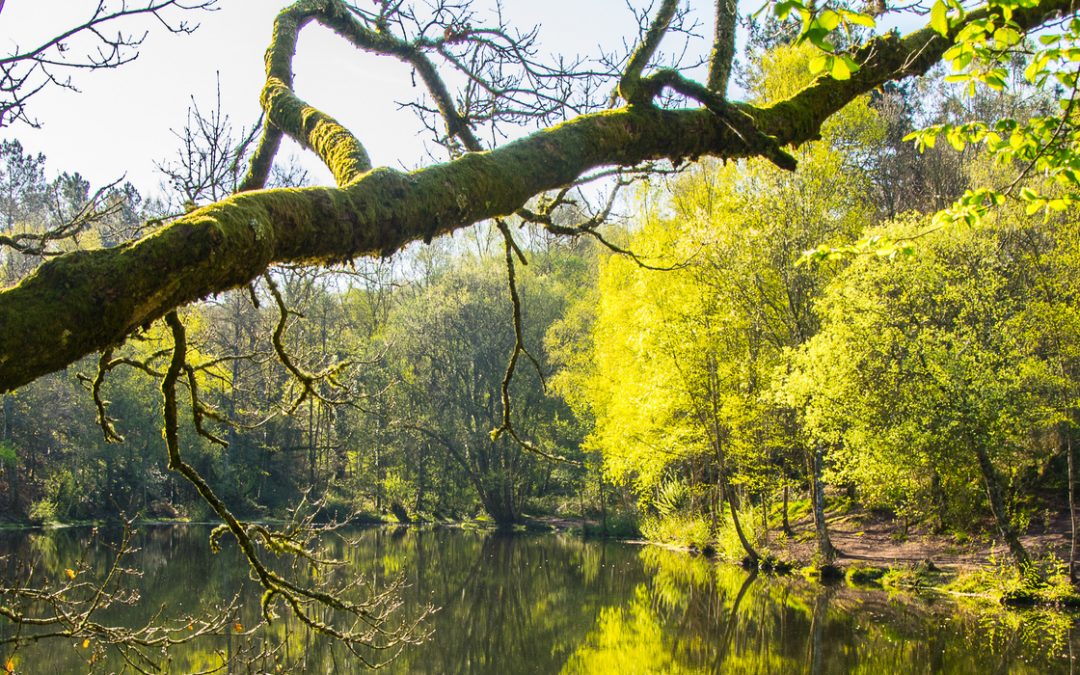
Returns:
(675, 576)
(625, 640)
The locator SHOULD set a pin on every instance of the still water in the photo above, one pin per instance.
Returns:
(551, 604)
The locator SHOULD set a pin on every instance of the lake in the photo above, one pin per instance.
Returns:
(549, 603)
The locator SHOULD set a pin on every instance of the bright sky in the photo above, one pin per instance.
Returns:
(120, 121)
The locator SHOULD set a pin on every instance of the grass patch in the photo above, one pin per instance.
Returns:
(913, 578)
(861, 575)
(1044, 583)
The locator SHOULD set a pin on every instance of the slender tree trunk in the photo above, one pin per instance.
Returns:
(732, 501)
(231, 435)
(765, 514)
(997, 507)
(941, 504)
(5, 436)
(5, 428)
(311, 442)
(787, 522)
(603, 506)
(1072, 506)
(421, 486)
(721, 497)
(581, 507)
(715, 506)
(817, 497)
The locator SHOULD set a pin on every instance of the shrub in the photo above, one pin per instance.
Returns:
(43, 511)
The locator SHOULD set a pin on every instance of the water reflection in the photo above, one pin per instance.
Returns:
(553, 603)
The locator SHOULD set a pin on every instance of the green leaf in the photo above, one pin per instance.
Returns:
(994, 81)
(955, 139)
(1006, 37)
(816, 36)
(858, 19)
(939, 21)
(783, 9)
(841, 68)
(828, 20)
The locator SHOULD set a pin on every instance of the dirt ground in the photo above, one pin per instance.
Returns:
(871, 539)
(878, 540)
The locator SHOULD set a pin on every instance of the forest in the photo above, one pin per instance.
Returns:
(739, 362)
(849, 294)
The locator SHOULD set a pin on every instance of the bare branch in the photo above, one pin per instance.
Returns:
(369, 618)
(507, 426)
(26, 72)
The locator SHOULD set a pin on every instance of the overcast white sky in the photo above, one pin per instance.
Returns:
(120, 121)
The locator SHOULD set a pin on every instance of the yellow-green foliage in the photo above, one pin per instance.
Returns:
(682, 360)
(1045, 582)
(678, 529)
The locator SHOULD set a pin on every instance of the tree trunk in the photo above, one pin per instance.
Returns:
(732, 501)
(497, 496)
(817, 497)
(311, 443)
(1072, 505)
(941, 503)
(5, 436)
(765, 515)
(500, 510)
(997, 507)
(603, 506)
(421, 486)
(787, 522)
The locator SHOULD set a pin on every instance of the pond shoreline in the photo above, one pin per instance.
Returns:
(875, 553)
(871, 558)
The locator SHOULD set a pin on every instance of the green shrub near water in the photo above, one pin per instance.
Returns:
(43, 512)
(860, 575)
(680, 530)
(1045, 582)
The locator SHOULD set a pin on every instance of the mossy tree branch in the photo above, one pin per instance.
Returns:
(85, 301)
(335, 145)
(723, 51)
(630, 83)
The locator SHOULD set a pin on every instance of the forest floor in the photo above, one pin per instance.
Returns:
(877, 540)
(866, 538)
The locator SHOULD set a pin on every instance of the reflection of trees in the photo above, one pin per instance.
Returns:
(522, 600)
(504, 600)
(82, 586)
(689, 615)
(545, 603)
